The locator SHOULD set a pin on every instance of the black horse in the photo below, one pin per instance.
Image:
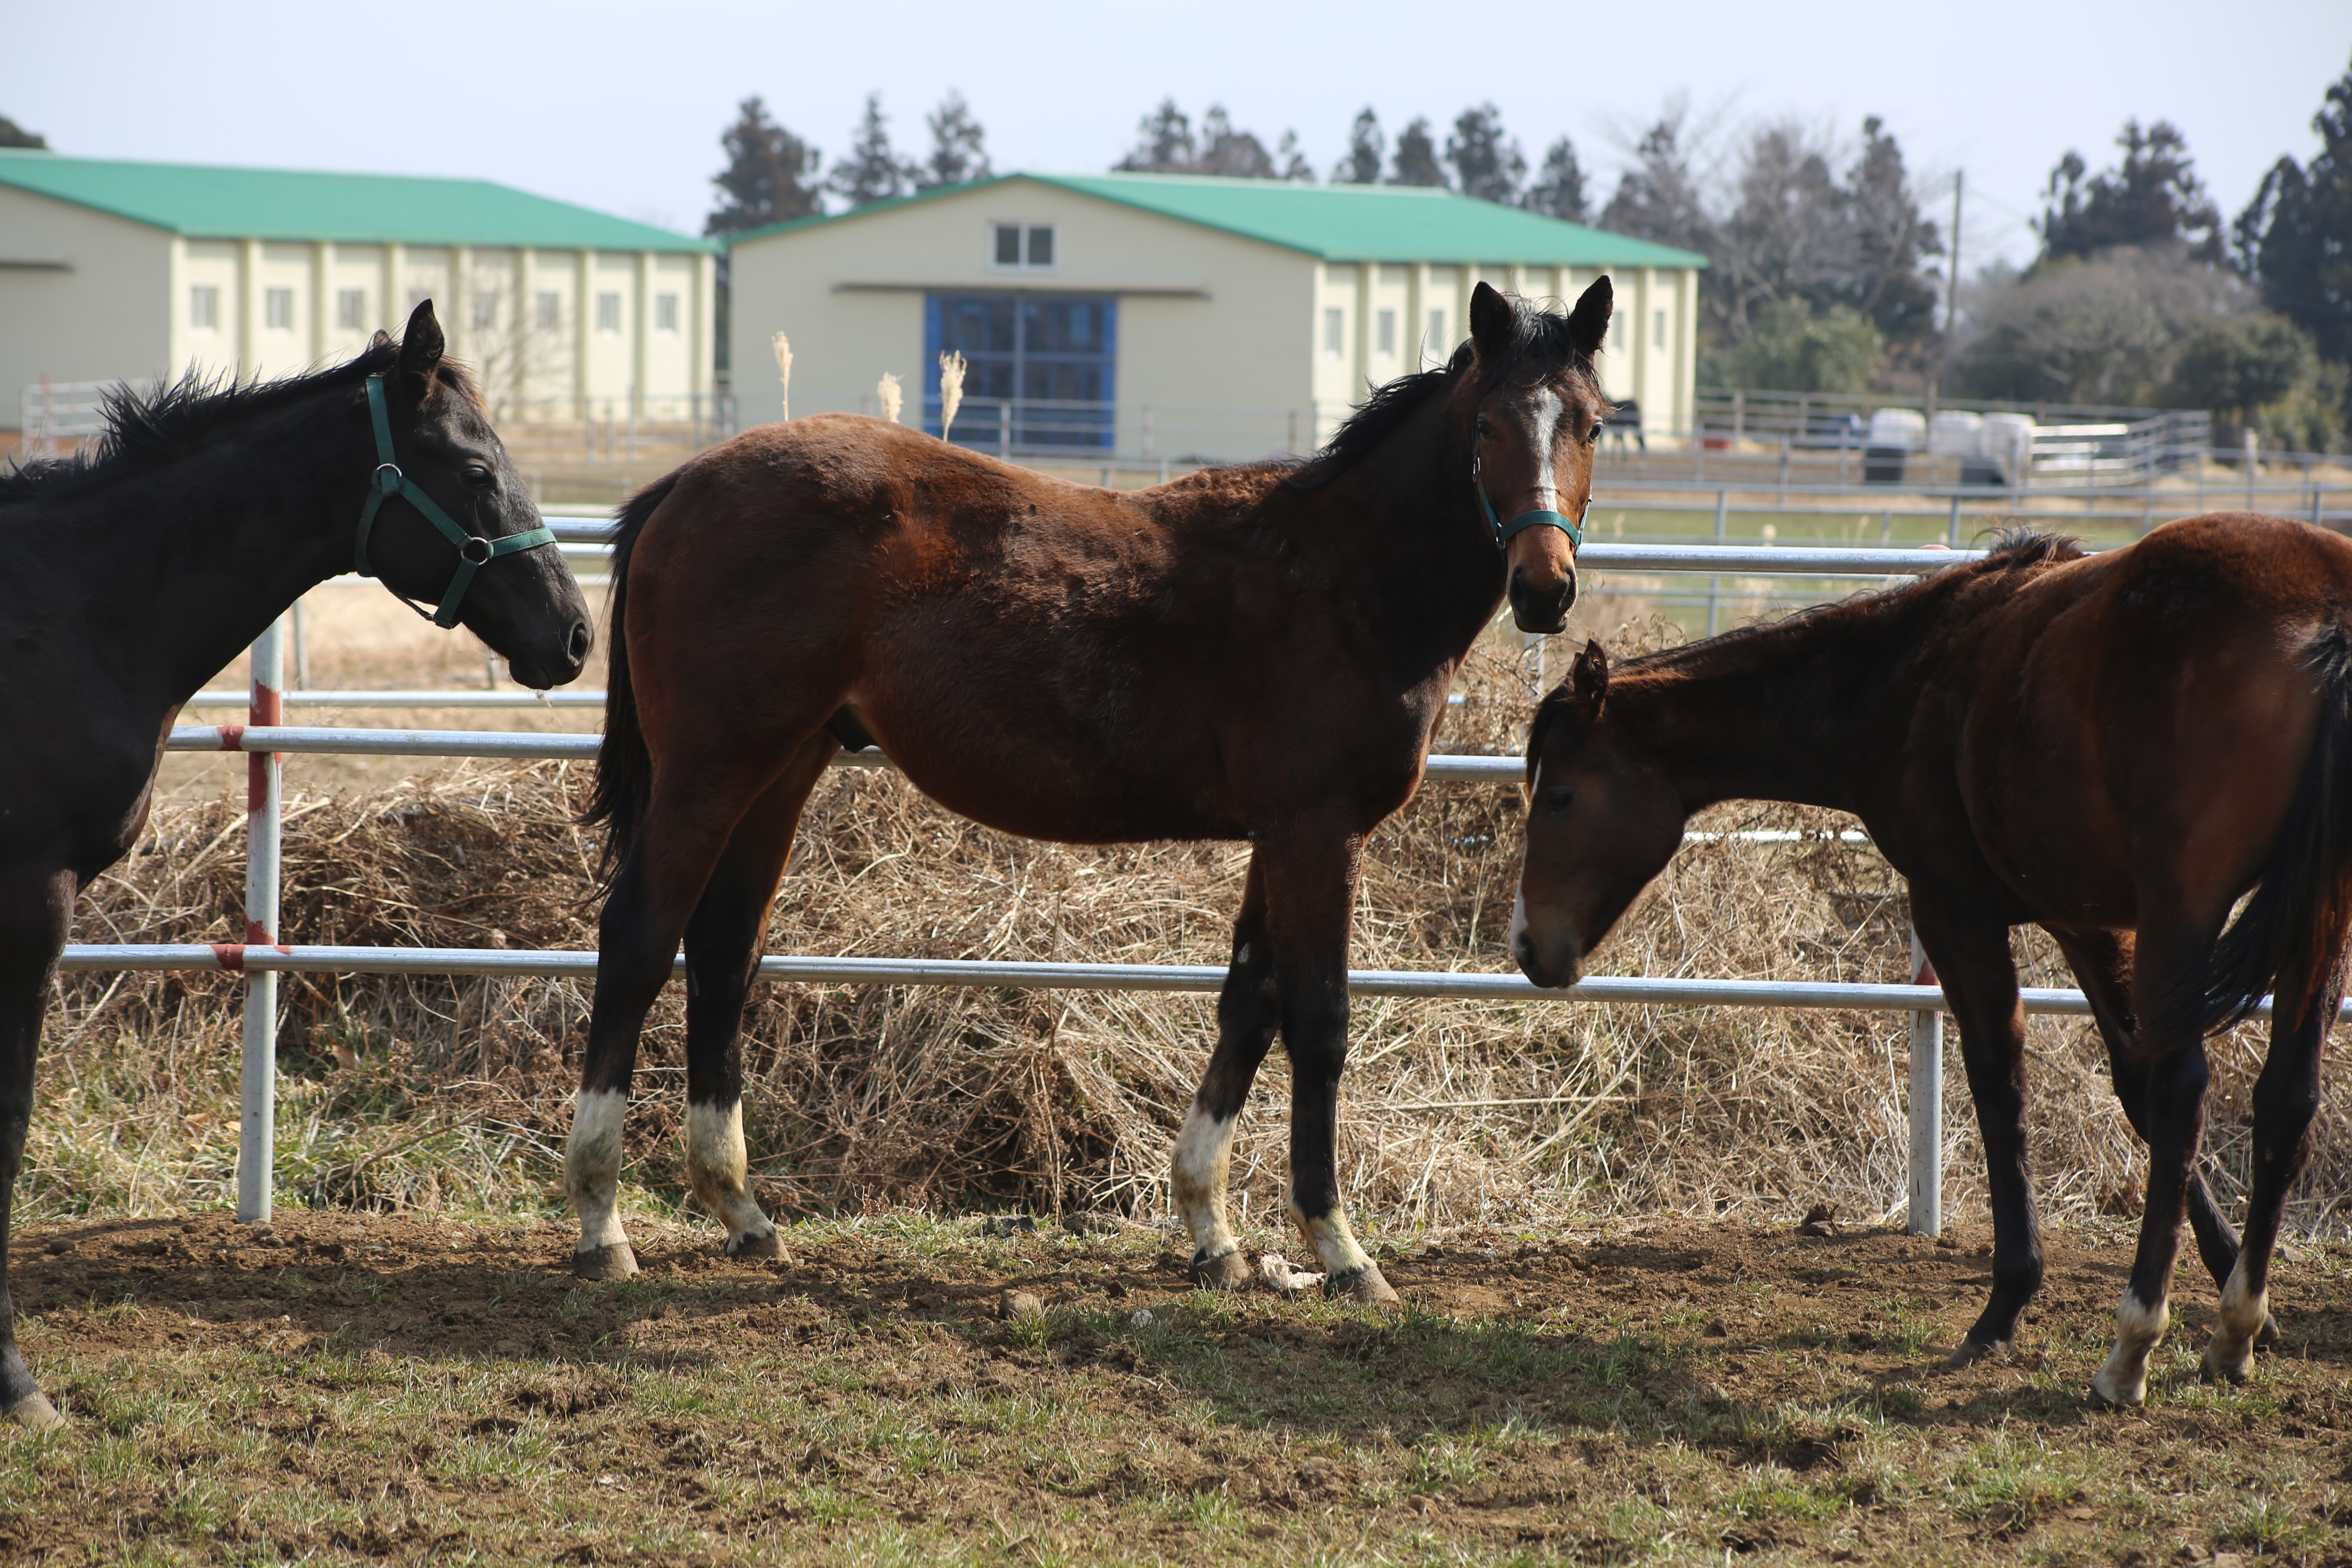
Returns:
(139, 570)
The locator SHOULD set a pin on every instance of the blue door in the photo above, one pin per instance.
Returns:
(1039, 369)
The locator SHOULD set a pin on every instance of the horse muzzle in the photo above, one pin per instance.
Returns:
(1553, 962)
(1541, 606)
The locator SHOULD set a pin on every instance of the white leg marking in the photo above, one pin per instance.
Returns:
(714, 1169)
(2123, 1378)
(1204, 1152)
(2244, 1311)
(1333, 1239)
(592, 1166)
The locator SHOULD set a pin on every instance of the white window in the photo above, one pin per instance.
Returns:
(486, 309)
(1335, 331)
(1437, 345)
(278, 309)
(550, 310)
(351, 309)
(204, 308)
(1386, 326)
(608, 313)
(1658, 328)
(664, 313)
(1023, 247)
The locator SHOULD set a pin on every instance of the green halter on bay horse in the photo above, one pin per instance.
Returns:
(140, 569)
(1259, 652)
(2113, 747)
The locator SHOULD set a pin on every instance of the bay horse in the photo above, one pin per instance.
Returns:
(2113, 747)
(1259, 652)
(140, 568)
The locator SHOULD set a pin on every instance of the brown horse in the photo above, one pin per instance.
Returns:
(2113, 747)
(1256, 653)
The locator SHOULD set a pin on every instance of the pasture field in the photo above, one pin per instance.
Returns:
(342, 1388)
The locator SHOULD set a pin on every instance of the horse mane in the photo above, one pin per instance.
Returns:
(147, 430)
(1535, 333)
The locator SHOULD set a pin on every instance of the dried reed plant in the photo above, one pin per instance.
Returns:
(783, 347)
(886, 391)
(424, 1092)
(952, 369)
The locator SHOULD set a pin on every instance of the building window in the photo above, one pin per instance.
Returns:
(608, 313)
(351, 309)
(1335, 331)
(550, 310)
(1041, 368)
(486, 309)
(1027, 246)
(1658, 328)
(1387, 328)
(664, 313)
(278, 309)
(204, 308)
(1437, 345)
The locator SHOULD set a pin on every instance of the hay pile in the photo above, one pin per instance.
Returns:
(423, 1092)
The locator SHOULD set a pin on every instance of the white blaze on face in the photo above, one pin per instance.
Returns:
(592, 1166)
(1548, 409)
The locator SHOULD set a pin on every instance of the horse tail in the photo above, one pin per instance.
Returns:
(2295, 924)
(625, 767)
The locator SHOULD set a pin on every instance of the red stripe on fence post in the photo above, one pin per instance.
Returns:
(257, 1148)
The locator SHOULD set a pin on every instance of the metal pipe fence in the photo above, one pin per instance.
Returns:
(262, 955)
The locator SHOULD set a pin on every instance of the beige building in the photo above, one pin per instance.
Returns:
(1143, 316)
(120, 271)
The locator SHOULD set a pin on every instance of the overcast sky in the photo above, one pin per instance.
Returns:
(620, 106)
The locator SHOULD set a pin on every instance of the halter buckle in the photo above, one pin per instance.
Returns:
(388, 478)
(465, 551)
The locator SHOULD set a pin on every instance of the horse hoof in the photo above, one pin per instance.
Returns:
(1362, 1285)
(2117, 1395)
(2268, 1336)
(2214, 1369)
(1974, 1351)
(768, 1243)
(614, 1262)
(33, 1412)
(1225, 1271)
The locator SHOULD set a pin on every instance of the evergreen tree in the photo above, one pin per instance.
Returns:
(872, 172)
(15, 135)
(959, 146)
(1559, 190)
(1236, 154)
(1659, 197)
(2294, 238)
(770, 175)
(1485, 162)
(1293, 159)
(1366, 149)
(2154, 198)
(1890, 237)
(1166, 146)
(1416, 158)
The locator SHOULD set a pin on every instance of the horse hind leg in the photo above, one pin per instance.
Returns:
(1247, 1014)
(34, 910)
(722, 953)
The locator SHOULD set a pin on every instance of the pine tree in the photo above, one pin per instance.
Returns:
(770, 175)
(1166, 147)
(959, 146)
(2294, 238)
(1559, 190)
(2152, 198)
(1235, 154)
(872, 172)
(1293, 159)
(15, 135)
(1485, 162)
(1416, 158)
(1366, 149)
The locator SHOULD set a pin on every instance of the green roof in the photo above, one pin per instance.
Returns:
(1338, 223)
(214, 203)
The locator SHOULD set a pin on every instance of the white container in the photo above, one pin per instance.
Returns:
(1957, 434)
(1900, 429)
(2008, 441)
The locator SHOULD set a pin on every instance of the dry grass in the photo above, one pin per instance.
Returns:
(425, 1093)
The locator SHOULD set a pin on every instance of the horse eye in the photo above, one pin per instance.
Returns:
(1486, 430)
(1592, 436)
(478, 475)
(1559, 799)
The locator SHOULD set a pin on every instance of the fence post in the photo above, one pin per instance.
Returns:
(1004, 428)
(1714, 585)
(1952, 528)
(1927, 1106)
(257, 1150)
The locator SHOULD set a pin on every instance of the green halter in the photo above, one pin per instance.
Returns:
(1525, 520)
(474, 552)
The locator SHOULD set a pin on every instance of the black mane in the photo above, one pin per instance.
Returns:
(147, 430)
(1535, 333)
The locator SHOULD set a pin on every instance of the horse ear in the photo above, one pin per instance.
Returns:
(1590, 678)
(421, 347)
(1589, 321)
(1492, 322)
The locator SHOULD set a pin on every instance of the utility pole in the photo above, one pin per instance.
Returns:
(1952, 285)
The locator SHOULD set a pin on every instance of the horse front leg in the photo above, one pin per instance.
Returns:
(723, 941)
(1311, 898)
(1970, 953)
(2286, 1097)
(1247, 1014)
(34, 910)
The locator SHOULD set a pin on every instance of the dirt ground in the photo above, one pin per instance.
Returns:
(340, 1386)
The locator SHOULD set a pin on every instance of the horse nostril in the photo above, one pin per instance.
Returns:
(577, 645)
